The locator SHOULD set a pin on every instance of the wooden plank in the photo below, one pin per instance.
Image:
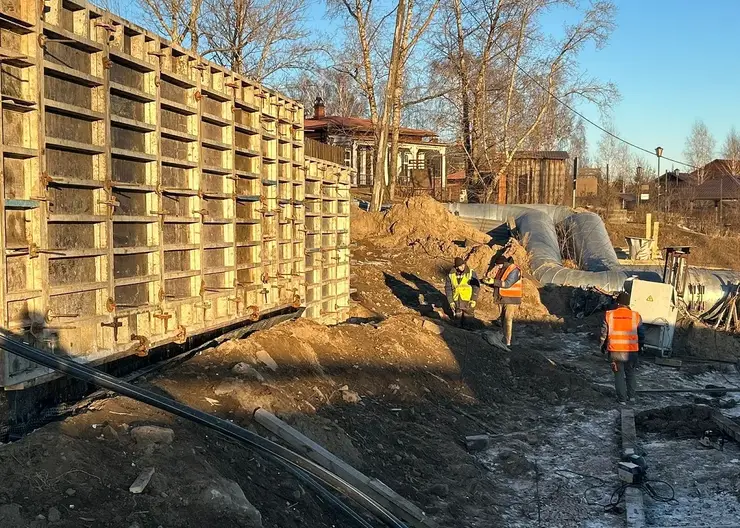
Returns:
(398, 505)
(726, 425)
(634, 503)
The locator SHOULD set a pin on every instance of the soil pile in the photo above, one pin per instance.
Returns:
(426, 227)
(418, 219)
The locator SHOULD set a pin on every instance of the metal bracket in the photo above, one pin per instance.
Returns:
(165, 317)
(182, 335)
(253, 313)
(115, 325)
(142, 349)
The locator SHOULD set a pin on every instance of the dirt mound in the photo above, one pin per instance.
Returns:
(364, 224)
(685, 421)
(699, 340)
(418, 219)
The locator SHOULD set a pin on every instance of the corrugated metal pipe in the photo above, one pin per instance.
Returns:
(552, 227)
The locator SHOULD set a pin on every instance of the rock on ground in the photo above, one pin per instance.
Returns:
(245, 369)
(351, 396)
(54, 515)
(224, 494)
(10, 515)
(152, 434)
(265, 358)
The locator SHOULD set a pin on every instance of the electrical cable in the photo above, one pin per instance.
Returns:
(569, 107)
(293, 462)
(647, 487)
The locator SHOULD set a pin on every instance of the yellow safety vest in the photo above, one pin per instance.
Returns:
(461, 289)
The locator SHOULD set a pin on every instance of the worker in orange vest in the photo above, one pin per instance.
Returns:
(622, 336)
(506, 279)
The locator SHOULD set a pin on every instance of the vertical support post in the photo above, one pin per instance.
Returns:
(648, 225)
(656, 232)
(443, 166)
(575, 181)
(608, 192)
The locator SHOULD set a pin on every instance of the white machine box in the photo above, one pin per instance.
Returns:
(656, 303)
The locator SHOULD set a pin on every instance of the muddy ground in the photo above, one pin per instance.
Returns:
(393, 391)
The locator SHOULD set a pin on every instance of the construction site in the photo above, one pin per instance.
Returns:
(201, 326)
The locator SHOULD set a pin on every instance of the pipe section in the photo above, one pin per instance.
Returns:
(587, 235)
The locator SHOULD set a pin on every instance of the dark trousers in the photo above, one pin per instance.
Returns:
(464, 314)
(625, 378)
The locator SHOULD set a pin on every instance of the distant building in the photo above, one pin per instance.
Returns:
(538, 176)
(723, 188)
(421, 156)
(716, 169)
(587, 182)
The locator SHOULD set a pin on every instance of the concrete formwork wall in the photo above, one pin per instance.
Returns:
(148, 195)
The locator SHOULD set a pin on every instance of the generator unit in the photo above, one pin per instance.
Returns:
(656, 304)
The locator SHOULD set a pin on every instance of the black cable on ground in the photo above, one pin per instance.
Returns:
(293, 462)
(618, 494)
(58, 412)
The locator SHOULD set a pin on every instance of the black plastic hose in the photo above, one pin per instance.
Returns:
(289, 459)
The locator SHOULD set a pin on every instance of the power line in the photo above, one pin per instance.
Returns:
(576, 112)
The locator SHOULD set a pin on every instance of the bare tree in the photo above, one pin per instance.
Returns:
(731, 151)
(263, 39)
(338, 90)
(379, 70)
(593, 28)
(700, 146)
(509, 77)
(617, 165)
(408, 42)
(177, 19)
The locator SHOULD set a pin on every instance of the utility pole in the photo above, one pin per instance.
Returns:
(721, 193)
(659, 153)
(608, 192)
(575, 179)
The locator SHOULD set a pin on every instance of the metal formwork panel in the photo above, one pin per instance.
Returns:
(147, 194)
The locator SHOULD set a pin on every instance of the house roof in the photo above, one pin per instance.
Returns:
(358, 124)
(725, 188)
(715, 168)
(589, 172)
(541, 154)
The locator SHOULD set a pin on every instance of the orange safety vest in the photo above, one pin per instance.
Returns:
(515, 291)
(622, 326)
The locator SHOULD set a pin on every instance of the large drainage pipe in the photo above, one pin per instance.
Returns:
(587, 235)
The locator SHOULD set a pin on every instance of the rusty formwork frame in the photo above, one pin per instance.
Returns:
(148, 194)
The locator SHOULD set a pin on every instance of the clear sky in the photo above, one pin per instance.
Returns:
(673, 61)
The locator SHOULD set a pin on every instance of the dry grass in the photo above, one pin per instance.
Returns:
(710, 251)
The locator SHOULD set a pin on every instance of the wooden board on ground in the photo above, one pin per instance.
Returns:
(373, 487)
(727, 426)
(634, 504)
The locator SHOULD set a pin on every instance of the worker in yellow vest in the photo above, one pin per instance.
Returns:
(622, 336)
(461, 288)
(506, 279)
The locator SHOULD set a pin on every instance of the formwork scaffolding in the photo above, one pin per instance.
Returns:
(148, 195)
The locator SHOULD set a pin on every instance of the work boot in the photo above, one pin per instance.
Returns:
(620, 402)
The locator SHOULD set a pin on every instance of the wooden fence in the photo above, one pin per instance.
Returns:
(331, 153)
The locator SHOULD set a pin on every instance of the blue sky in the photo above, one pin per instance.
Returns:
(673, 61)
